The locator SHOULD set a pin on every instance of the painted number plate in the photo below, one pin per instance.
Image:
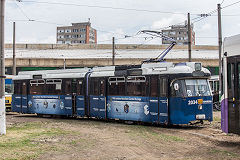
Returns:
(200, 116)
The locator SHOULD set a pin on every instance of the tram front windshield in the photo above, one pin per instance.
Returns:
(191, 88)
(197, 87)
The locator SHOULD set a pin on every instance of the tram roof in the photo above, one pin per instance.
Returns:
(110, 71)
(62, 73)
(232, 45)
(171, 68)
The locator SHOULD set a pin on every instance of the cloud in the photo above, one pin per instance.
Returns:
(205, 27)
(120, 21)
(166, 22)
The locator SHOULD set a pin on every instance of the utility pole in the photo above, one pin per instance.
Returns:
(220, 44)
(113, 51)
(2, 72)
(189, 40)
(14, 48)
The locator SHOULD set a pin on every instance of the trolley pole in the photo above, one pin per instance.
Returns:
(220, 44)
(14, 49)
(113, 51)
(189, 40)
(2, 72)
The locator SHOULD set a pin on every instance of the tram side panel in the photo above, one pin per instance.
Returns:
(128, 99)
(50, 97)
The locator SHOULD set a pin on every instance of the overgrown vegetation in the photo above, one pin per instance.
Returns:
(25, 141)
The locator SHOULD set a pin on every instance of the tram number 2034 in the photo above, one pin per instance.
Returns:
(192, 102)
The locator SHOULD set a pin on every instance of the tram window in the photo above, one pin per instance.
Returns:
(17, 87)
(212, 85)
(229, 73)
(197, 87)
(53, 86)
(37, 89)
(233, 75)
(102, 88)
(176, 89)
(163, 87)
(117, 86)
(68, 87)
(94, 86)
(24, 88)
(238, 78)
(154, 86)
(79, 87)
(137, 86)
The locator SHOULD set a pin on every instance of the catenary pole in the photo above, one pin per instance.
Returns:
(189, 40)
(2, 72)
(220, 44)
(14, 49)
(113, 51)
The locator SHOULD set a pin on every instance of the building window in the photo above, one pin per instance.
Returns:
(67, 36)
(68, 30)
(67, 42)
(75, 30)
(60, 31)
(82, 30)
(60, 36)
(75, 36)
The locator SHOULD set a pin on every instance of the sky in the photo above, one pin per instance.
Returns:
(118, 18)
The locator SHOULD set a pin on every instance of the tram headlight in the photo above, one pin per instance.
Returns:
(198, 66)
(200, 107)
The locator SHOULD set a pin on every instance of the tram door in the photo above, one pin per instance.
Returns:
(19, 103)
(24, 103)
(233, 81)
(153, 99)
(74, 97)
(98, 98)
(163, 100)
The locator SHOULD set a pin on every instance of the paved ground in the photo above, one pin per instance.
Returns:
(31, 137)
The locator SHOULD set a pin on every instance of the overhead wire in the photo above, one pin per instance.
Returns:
(195, 20)
(102, 7)
(232, 4)
(22, 11)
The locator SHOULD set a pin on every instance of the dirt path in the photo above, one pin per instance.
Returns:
(89, 139)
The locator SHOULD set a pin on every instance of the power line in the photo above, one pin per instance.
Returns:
(102, 7)
(214, 11)
(222, 2)
(146, 41)
(232, 4)
(206, 37)
(205, 16)
(22, 11)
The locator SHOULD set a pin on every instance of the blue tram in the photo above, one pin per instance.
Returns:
(162, 93)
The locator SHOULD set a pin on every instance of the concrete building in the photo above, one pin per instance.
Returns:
(78, 33)
(179, 33)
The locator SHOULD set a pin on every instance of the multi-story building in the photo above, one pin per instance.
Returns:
(78, 33)
(179, 33)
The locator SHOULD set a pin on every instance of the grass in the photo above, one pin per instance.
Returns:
(217, 119)
(23, 141)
